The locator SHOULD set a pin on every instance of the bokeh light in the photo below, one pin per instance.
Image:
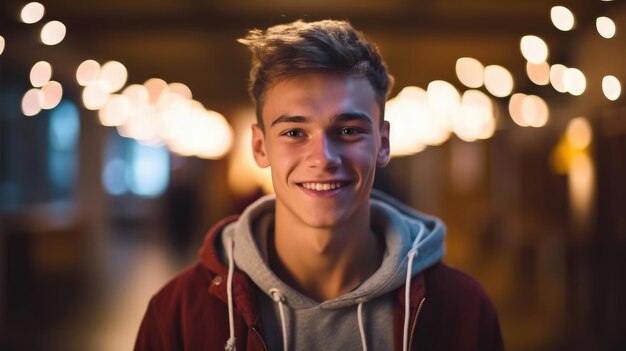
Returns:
(156, 88)
(579, 133)
(31, 102)
(470, 72)
(1, 44)
(143, 125)
(88, 72)
(605, 27)
(244, 176)
(137, 94)
(557, 72)
(180, 89)
(538, 73)
(442, 97)
(95, 95)
(114, 74)
(534, 49)
(407, 114)
(498, 81)
(53, 33)
(32, 12)
(535, 112)
(562, 18)
(528, 110)
(40, 74)
(574, 81)
(515, 109)
(611, 87)
(51, 95)
(475, 118)
(116, 111)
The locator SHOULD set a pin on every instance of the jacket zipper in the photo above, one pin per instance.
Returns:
(417, 314)
(260, 338)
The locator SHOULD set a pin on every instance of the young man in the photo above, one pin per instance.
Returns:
(326, 263)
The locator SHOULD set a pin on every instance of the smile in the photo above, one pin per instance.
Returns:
(323, 186)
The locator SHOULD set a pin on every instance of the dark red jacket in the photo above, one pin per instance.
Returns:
(449, 310)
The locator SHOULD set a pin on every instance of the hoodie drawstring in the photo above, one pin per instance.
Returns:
(407, 298)
(230, 343)
(361, 328)
(277, 296)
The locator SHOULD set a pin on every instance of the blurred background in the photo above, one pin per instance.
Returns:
(124, 135)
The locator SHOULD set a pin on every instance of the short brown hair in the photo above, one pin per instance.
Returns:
(287, 50)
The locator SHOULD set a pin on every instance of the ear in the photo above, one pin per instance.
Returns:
(258, 147)
(383, 155)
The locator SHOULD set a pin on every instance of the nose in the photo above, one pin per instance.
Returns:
(323, 153)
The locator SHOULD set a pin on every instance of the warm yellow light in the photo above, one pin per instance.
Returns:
(53, 33)
(180, 89)
(88, 71)
(114, 74)
(244, 176)
(515, 109)
(470, 72)
(31, 102)
(557, 72)
(156, 88)
(538, 73)
(117, 111)
(498, 81)
(581, 184)
(578, 133)
(51, 95)
(562, 18)
(32, 12)
(442, 97)
(605, 27)
(137, 94)
(535, 111)
(534, 49)
(95, 95)
(574, 81)
(200, 132)
(1, 44)
(611, 87)
(402, 114)
(221, 136)
(143, 125)
(474, 119)
(40, 74)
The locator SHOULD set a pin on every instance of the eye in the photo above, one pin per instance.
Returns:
(293, 133)
(349, 131)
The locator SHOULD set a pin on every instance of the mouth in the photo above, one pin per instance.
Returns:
(323, 186)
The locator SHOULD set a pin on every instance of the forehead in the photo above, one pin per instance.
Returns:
(316, 95)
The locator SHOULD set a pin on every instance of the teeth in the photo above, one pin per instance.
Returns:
(322, 186)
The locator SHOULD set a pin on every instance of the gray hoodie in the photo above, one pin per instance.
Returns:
(358, 320)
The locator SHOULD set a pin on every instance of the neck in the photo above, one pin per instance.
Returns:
(324, 263)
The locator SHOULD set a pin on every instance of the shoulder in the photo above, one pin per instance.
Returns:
(457, 303)
(451, 283)
(181, 311)
(187, 286)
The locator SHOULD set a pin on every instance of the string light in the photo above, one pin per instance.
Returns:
(534, 49)
(32, 12)
(53, 33)
(562, 18)
(611, 87)
(605, 27)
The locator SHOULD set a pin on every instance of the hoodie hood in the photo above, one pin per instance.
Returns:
(402, 229)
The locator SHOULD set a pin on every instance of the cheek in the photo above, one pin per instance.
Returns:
(283, 160)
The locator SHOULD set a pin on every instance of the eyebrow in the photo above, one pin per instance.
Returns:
(343, 117)
(289, 119)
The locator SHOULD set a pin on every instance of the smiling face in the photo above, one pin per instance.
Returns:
(323, 139)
